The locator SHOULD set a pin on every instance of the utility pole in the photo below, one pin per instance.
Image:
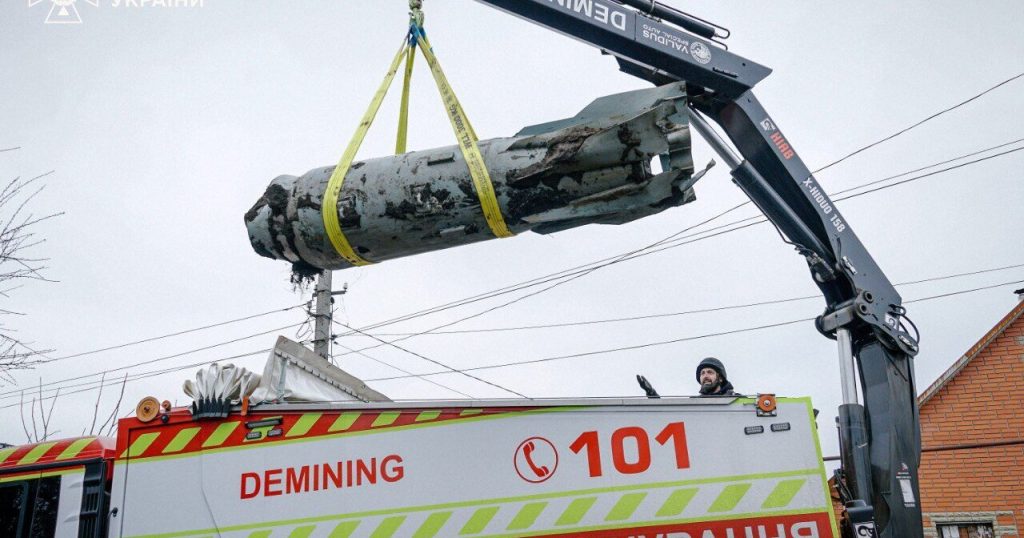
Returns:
(322, 334)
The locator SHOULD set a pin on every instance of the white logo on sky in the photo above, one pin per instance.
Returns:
(64, 11)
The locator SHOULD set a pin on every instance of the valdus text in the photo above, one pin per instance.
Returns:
(341, 474)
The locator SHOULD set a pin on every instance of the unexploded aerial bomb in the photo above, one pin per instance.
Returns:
(592, 168)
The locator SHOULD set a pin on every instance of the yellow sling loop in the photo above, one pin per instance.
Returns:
(329, 209)
(464, 133)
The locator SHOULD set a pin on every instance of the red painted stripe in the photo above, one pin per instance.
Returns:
(131, 428)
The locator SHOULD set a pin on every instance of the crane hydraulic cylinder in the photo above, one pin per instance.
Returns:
(595, 167)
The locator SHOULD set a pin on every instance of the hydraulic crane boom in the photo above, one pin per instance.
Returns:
(880, 440)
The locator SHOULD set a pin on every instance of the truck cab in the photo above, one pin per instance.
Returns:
(56, 488)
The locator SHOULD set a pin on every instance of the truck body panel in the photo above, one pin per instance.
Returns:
(694, 467)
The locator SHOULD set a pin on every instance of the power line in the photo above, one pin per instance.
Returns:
(750, 221)
(5, 395)
(761, 218)
(929, 174)
(565, 273)
(675, 340)
(471, 316)
(431, 381)
(136, 377)
(691, 312)
(957, 275)
(428, 359)
(179, 333)
(929, 118)
(933, 165)
(143, 375)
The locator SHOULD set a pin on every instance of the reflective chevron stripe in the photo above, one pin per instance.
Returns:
(36, 453)
(63, 451)
(139, 445)
(344, 422)
(178, 440)
(6, 453)
(571, 512)
(181, 440)
(221, 434)
(75, 448)
(303, 425)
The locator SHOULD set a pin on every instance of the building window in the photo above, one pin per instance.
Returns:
(967, 530)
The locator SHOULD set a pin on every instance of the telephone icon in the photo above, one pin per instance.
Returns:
(528, 449)
(536, 460)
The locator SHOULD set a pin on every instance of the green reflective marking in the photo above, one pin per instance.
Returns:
(181, 440)
(783, 493)
(470, 412)
(344, 529)
(527, 516)
(304, 424)
(625, 507)
(388, 527)
(75, 448)
(427, 415)
(432, 525)
(576, 510)
(385, 419)
(44, 474)
(220, 435)
(6, 453)
(302, 532)
(729, 498)
(676, 502)
(344, 422)
(260, 534)
(36, 453)
(479, 520)
(140, 444)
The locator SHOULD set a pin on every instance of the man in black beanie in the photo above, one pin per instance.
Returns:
(712, 378)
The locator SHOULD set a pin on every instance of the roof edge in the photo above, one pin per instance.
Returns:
(977, 348)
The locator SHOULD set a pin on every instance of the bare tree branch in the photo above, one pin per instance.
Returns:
(49, 414)
(113, 414)
(18, 238)
(32, 415)
(21, 411)
(96, 408)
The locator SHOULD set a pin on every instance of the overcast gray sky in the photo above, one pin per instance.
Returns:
(164, 124)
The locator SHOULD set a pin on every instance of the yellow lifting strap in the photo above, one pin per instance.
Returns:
(467, 143)
(464, 133)
(403, 112)
(329, 209)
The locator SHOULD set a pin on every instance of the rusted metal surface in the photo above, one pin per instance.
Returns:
(592, 168)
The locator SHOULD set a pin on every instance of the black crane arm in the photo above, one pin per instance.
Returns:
(880, 440)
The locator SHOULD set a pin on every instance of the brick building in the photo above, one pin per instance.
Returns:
(973, 485)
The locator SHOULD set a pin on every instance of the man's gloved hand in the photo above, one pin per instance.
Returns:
(646, 385)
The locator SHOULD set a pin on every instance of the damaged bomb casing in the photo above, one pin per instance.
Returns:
(592, 168)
